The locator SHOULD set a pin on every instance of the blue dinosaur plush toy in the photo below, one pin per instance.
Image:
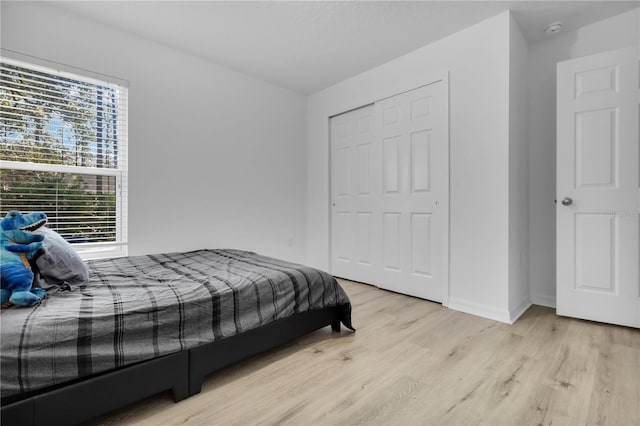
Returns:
(18, 246)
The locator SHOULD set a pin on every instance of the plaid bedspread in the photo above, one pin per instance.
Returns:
(141, 307)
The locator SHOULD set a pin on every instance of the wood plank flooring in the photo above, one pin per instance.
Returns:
(413, 362)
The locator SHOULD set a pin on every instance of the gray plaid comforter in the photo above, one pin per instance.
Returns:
(141, 307)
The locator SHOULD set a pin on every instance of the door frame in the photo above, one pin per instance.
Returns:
(429, 80)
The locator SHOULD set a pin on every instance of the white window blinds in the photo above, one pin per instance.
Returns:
(63, 151)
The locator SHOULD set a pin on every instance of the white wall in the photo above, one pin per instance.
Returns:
(216, 159)
(477, 60)
(519, 299)
(613, 33)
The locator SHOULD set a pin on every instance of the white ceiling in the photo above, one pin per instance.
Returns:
(307, 46)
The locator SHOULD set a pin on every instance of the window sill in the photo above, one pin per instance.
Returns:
(92, 252)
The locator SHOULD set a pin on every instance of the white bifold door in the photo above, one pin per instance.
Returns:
(389, 193)
(597, 188)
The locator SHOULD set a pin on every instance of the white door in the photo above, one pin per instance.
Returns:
(353, 233)
(597, 188)
(411, 130)
(390, 222)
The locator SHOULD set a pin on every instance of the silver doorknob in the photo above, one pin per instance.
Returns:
(566, 201)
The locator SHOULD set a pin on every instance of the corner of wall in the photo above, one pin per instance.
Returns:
(519, 309)
(543, 300)
(518, 147)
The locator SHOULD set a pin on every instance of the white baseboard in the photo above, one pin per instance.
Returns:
(521, 309)
(489, 312)
(481, 310)
(543, 300)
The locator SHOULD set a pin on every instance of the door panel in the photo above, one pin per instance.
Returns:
(597, 188)
(596, 151)
(421, 244)
(364, 229)
(596, 240)
(341, 162)
(420, 161)
(363, 172)
(391, 162)
(342, 240)
(391, 241)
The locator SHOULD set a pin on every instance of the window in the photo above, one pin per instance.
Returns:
(63, 151)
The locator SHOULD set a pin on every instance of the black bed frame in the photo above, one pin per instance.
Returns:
(182, 373)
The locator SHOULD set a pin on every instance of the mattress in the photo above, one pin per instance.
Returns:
(141, 307)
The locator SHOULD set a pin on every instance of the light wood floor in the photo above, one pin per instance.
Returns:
(413, 362)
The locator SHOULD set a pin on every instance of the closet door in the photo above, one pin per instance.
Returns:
(389, 185)
(597, 183)
(411, 132)
(354, 227)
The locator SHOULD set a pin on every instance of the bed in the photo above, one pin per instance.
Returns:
(147, 324)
